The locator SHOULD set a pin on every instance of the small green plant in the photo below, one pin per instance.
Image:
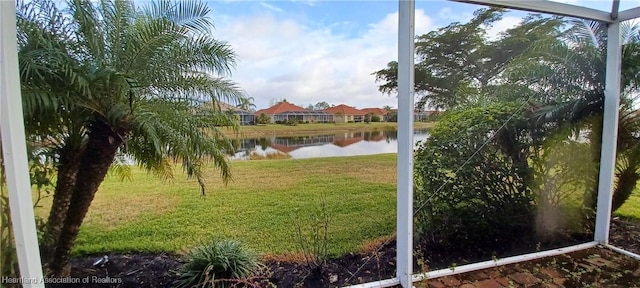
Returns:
(314, 236)
(217, 264)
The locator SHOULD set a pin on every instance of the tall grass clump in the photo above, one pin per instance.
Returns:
(313, 237)
(217, 264)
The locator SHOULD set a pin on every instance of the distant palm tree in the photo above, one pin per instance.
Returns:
(246, 104)
(102, 80)
(570, 79)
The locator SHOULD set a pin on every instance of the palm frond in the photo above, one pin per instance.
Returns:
(119, 17)
(190, 14)
(168, 128)
(88, 32)
(121, 167)
(584, 33)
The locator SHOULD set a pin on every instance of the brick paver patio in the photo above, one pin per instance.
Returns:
(596, 267)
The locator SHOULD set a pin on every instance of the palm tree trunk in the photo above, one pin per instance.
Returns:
(65, 183)
(101, 150)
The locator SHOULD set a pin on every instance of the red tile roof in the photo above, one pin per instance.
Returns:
(377, 138)
(345, 110)
(376, 111)
(279, 108)
(283, 148)
(346, 142)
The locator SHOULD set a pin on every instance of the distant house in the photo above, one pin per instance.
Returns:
(285, 111)
(423, 115)
(417, 115)
(343, 114)
(277, 109)
(245, 117)
(310, 116)
(376, 111)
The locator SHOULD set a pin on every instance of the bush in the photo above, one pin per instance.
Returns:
(367, 118)
(562, 173)
(476, 200)
(392, 116)
(263, 119)
(217, 264)
(375, 118)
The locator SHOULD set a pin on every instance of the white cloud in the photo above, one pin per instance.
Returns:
(282, 58)
(271, 7)
(307, 2)
(502, 25)
(447, 15)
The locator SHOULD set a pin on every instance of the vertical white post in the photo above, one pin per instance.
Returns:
(609, 134)
(15, 152)
(404, 224)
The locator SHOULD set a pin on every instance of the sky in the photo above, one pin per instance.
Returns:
(308, 51)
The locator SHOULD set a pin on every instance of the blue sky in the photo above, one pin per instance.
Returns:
(307, 51)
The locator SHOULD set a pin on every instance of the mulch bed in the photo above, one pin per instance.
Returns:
(625, 234)
(158, 270)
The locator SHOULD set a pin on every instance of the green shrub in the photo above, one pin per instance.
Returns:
(375, 118)
(217, 264)
(562, 173)
(392, 116)
(291, 122)
(471, 179)
(263, 119)
(367, 118)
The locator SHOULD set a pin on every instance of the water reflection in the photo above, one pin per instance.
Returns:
(328, 145)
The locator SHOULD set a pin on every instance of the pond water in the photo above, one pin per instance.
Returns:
(326, 145)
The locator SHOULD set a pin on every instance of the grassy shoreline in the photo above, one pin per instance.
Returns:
(259, 131)
(258, 207)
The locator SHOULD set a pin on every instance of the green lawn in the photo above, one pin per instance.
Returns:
(257, 208)
(631, 208)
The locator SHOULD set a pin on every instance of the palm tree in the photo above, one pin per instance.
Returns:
(569, 78)
(246, 104)
(109, 79)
